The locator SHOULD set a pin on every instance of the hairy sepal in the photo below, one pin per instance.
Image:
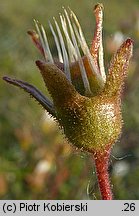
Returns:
(118, 69)
(61, 90)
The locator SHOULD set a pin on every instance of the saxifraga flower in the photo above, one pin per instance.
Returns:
(86, 100)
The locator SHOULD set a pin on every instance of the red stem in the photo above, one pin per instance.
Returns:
(102, 163)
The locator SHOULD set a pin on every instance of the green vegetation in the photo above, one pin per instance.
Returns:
(35, 161)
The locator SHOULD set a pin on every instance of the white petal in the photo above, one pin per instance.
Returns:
(65, 55)
(81, 65)
(57, 43)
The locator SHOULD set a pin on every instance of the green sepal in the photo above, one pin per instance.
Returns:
(57, 84)
(118, 69)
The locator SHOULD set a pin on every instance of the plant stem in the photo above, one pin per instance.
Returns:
(102, 163)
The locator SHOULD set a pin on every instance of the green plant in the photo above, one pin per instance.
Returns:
(86, 102)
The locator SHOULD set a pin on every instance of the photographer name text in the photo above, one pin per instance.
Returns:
(51, 206)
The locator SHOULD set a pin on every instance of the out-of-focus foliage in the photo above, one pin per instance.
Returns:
(35, 161)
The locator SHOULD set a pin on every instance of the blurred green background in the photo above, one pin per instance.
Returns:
(35, 161)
